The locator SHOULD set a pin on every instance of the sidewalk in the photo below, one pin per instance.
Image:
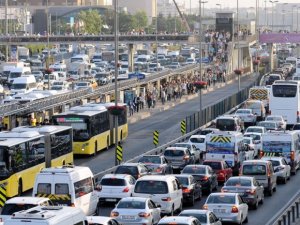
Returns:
(145, 113)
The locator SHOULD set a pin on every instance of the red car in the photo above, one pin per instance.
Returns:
(221, 168)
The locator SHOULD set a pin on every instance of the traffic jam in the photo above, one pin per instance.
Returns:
(231, 166)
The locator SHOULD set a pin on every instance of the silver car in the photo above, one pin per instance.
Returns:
(205, 217)
(192, 147)
(136, 211)
(158, 164)
(247, 187)
(246, 115)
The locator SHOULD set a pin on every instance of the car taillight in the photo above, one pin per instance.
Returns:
(126, 189)
(221, 174)
(251, 191)
(114, 214)
(234, 209)
(1, 220)
(168, 199)
(186, 190)
(204, 178)
(205, 207)
(143, 214)
(186, 157)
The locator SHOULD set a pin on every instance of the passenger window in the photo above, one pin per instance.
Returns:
(211, 218)
(44, 188)
(61, 189)
(131, 181)
(83, 187)
(240, 200)
(150, 205)
(284, 162)
(174, 185)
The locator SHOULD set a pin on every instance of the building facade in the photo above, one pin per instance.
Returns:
(133, 6)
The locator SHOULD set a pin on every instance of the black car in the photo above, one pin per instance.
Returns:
(204, 174)
(136, 170)
(296, 126)
(191, 189)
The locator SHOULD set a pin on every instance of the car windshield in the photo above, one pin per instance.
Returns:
(150, 159)
(132, 170)
(14, 75)
(18, 86)
(131, 205)
(194, 170)
(113, 182)
(183, 180)
(201, 217)
(221, 199)
(243, 112)
(9, 209)
(197, 140)
(184, 145)
(174, 153)
(271, 118)
(253, 130)
(238, 182)
(267, 125)
(254, 169)
(214, 165)
(81, 84)
(151, 187)
(246, 141)
(275, 163)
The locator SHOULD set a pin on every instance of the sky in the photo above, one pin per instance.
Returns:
(232, 3)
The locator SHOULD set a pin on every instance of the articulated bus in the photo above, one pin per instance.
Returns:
(23, 155)
(285, 100)
(93, 127)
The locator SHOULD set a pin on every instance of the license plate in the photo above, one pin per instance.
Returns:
(111, 200)
(128, 217)
(219, 210)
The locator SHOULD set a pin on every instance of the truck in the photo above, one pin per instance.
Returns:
(23, 53)
(228, 146)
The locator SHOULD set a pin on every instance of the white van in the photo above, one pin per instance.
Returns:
(68, 185)
(163, 190)
(18, 72)
(80, 58)
(258, 108)
(23, 84)
(48, 215)
(61, 69)
(52, 78)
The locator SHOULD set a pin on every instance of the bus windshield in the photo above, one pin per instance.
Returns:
(80, 127)
(284, 91)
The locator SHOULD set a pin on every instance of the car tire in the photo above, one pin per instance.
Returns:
(285, 179)
(270, 192)
(192, 202)
(255, 206)
(246, 220)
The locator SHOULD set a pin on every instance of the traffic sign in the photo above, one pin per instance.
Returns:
(155, 138)
(183, 127)
(119, 153)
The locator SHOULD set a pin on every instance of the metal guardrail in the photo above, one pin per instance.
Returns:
(50, 102)
(289, 214)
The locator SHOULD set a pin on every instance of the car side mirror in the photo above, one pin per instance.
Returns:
(158, 206)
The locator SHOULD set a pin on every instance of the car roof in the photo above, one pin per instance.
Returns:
(156, 177)
(98, 219)
(256, 127)
(272, 158)
(26, 200)
(198, 136)
(140, 199)
(183, 175)
(214, 160)
(223, 193)
(196, 211)
(254, 161)
(117, 176)
(241, 177)
(176, 148)
(131, 164)
(177, 219)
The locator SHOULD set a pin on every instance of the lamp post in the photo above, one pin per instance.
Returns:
(116, 75)
(238, 42)
(200, 62)
(203, 2)
(220, 5)
(298, 18)
(272, 2)
(156, 35)
(48, 44)
(294, 6)
(283, 18)
(6, 30)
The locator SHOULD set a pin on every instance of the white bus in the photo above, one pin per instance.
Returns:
(298, 66)
(285, 101)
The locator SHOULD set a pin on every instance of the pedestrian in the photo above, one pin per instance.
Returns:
(142, 101)
(149, 99)
(163, 96)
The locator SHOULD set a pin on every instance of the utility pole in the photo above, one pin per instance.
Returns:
(238, 42)
(6, 29)
(200, 62)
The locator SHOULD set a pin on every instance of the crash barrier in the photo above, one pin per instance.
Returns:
(182, 138)
(289, 214)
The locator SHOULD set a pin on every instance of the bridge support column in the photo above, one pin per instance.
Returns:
(270, 50)
(63, 108)
(130, 58)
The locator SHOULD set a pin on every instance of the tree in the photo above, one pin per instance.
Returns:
(140, 20)
(92, 22)
(126, 22)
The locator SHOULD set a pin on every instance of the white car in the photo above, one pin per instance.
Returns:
(114, 187)
(256, 129)
(199, 141)
(103, 220)
(17, 204)
(246, 115)
(278, 119)
(281, 168)
(256, 141)
(182, 220)
(228, 207)
(136, 210)
(250, 148)
(205, 217)
(193, 149)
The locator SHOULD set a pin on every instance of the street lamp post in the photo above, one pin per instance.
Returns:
(238, 42)
(116, 76)
(156, 36)
(272, 2)
(48, 43)
(294, 6)
(203, 2)
(200, 62)
(283, 18)
(6, 30)
(298, 18)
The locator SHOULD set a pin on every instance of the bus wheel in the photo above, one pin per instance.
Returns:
(96, 147)
(20, 189)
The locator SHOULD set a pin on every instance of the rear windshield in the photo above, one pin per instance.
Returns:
(132, 170)
(150, 159)
(197, 140)
(225, 124)
(201, 217)
(254, 130)
(238, 182)
(174, 153)
(131, 205)
(151, 187)
(112, 182)
(254, 169)
(183, 180)
(221, 199)
(194, 170)
(9, 209)
(214, 165)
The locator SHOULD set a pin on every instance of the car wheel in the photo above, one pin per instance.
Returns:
(285, 179)
(246, 220)
(270, 192)
(193, 200)
(255, 206)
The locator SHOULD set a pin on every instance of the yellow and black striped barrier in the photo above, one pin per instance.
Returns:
(2, 195)
(119, 153)
(220, 139)
(55, 197)
(155, 138)
(183, 127)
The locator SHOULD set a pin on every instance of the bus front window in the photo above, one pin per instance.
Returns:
(80, 135)
(4, 162)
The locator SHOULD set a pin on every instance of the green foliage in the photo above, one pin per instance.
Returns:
(91, 20)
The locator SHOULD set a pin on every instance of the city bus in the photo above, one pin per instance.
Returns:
(93, 127)
(285, 101)
(23, 154)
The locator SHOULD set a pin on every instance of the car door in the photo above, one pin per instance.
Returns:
(168, 165)
(273, 176)
(155, 211)
(192, 156)
(196, 152)
(213, 176)
(286, 166)
(259, 188)
(243, 206)
(177, 192)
